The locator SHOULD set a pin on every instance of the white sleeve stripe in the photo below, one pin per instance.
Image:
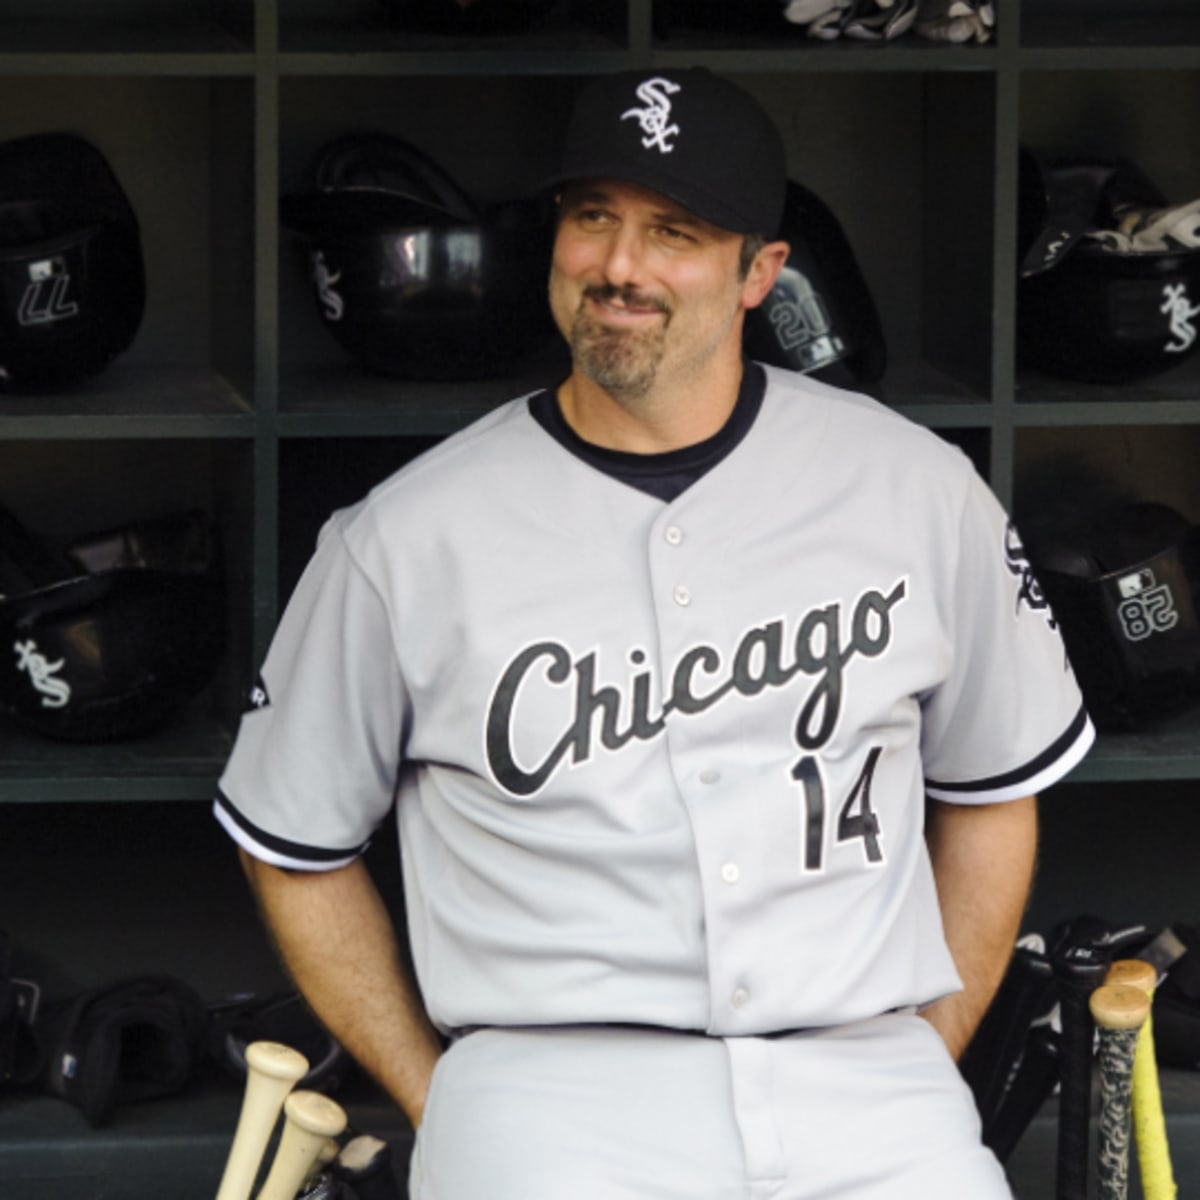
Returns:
(1047, 768)
(275, 850)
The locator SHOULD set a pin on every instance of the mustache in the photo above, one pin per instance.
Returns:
(625, 294)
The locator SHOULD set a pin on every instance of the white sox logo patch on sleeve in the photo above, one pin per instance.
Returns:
(765, 657)
(655, 115)
(1029, 590)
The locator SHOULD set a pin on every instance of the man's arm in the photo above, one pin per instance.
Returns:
(337, 940)
(983, 859)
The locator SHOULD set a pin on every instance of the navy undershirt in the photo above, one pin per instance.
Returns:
(664, 475)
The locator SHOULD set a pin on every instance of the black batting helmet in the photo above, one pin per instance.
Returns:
(72, 281)
(820, 312)
(410, 274)
(1086, 310)
(1125, 586)
(111, 634)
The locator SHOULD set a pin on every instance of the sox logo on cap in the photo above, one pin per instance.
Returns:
(654, 117)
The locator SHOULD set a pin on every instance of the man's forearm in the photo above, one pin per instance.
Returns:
(337, 941)
(983, 860)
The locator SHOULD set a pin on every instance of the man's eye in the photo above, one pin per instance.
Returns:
(671, 234)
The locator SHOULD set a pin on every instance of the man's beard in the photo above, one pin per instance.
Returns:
(624, 362)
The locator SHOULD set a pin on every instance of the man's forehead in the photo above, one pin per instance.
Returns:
(610, 191)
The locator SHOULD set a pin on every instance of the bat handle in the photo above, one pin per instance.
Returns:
(1120, 1011)
(310, 1120)
(272, 1070)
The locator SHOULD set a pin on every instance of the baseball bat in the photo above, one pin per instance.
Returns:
(1078, 970)
(272, 1070)
(1032, 1083)
(1119, 1011)
(1149, 1124)
(310, 1119)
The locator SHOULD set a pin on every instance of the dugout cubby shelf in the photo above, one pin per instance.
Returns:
(233, 395)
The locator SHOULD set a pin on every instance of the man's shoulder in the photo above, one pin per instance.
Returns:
(868, 423)
(452, 475)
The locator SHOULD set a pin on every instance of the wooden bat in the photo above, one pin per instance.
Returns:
(1149, 1125)
(272, 1070)
(1119, 1011)
(310, 1119)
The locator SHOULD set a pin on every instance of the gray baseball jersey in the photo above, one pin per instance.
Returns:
(662, 762)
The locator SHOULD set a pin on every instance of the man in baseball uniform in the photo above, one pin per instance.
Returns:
(713, 702)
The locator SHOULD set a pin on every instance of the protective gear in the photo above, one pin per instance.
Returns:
(135, 1039)
(820, 311)
(410, 274)
(1125, 587)
(72, 281)
(468, 16)
(1087, 309)
(111, 635)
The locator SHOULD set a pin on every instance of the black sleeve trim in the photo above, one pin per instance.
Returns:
(281, 846)
(1030, 770)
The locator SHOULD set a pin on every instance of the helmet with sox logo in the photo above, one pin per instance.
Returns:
(410, 274)
(72, 279)
(1124, 584)
(109, 634)
(1093, 305)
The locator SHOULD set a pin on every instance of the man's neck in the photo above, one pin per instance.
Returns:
(669, 417)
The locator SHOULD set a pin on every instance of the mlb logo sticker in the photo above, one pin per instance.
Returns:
(46, 268)
(1135, 583)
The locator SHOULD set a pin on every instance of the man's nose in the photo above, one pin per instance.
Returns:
(624, 259)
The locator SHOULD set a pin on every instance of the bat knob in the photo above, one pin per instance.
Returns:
(1119, 1006)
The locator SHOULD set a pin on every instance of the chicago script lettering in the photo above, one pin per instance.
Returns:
(700, 680)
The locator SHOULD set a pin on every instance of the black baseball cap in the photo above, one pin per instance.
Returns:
(687, 134)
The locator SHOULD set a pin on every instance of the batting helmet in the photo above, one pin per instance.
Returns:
(110, 635)
(1086, 310)
(1125, 586)
(410, 274)
(72, 281)
(820, 311)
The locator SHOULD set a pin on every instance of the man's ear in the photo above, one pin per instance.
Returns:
(764, 270)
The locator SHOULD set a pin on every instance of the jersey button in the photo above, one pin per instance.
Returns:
(740, 998)
(682, 596)
(673, 534)
(730, 873)
(710, 775)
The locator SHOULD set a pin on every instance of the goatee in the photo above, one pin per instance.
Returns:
(624, 362)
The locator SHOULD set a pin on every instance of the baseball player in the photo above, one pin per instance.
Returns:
(662, 668)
